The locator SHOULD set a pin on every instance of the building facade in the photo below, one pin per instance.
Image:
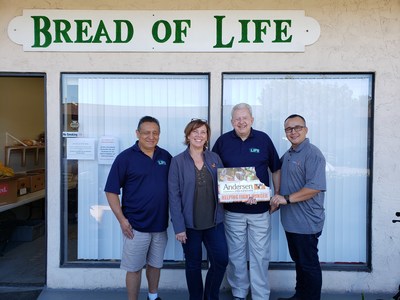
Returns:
(282, 57)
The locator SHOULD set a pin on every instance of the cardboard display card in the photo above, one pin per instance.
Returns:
(239, 184)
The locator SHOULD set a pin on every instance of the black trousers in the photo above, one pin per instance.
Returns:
(303, 249)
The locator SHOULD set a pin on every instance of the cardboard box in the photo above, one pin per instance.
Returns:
(23, 185)
(37, 182)
(8, 191)
(27, 231)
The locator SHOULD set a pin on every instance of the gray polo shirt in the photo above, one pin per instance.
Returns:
(303, 167)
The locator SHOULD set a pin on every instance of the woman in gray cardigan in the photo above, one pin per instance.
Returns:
(196, 214)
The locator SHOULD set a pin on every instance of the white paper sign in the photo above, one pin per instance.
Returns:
(108, 150)
(81, 148)
(71, 134)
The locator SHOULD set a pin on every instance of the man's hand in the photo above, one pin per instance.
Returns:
(277, 200)
(273, 207)
(251, 201)
(127, 229)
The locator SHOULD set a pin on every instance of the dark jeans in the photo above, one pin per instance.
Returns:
(303, 250)
(217, 252)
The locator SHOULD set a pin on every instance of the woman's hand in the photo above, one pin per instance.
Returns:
(181, 237)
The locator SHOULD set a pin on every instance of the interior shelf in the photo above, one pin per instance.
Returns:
(22, 150)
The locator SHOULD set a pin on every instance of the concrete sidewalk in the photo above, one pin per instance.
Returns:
(38, 293)
(120, 294)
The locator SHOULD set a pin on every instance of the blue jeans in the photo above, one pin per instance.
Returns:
(217, 252)
(303, 249)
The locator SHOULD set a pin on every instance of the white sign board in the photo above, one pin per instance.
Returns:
(164, 31)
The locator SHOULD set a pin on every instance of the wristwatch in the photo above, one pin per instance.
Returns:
(287, 199)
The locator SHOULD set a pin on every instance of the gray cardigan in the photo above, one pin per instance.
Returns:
(181, 188)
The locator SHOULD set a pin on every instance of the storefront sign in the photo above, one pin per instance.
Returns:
(164, 31)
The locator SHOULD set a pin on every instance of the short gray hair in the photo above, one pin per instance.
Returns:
(241, 106)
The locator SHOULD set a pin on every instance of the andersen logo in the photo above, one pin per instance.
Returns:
(237, 187)
(164, 31)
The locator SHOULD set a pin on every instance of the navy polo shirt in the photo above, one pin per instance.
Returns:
(144, 183)
(256, 151)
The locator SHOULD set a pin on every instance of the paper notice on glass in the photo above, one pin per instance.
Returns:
(80, 148)
(108, 150)
(239, 184)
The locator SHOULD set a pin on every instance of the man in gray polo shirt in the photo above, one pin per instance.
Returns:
(301, 202)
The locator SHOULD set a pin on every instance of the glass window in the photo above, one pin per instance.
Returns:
(100, 116)
(338, 111)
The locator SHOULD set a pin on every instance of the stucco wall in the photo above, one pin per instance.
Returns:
(356, 36)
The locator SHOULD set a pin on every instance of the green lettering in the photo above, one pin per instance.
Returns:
(244, 24)
(181, 31)
(219, 43)
(167, 28)
(282, 30)
(38, 31)
(61, 28)
(118, 31)
(259, 28)
(101, 32)
(82, 31)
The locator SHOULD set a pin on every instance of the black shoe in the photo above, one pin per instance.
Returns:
(158, 298)
(291, 298)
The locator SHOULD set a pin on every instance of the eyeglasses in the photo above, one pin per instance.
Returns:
(199, 120)
(297, 128)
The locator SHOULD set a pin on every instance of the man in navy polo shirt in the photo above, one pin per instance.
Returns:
(142, 173)
(302, 210)
(248, 225)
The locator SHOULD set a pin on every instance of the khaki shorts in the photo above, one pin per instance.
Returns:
(144, 248)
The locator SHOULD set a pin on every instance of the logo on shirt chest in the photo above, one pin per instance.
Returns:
(161, 162)
(254, 150)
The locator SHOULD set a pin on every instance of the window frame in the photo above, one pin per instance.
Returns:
(109, 263)
(364, 267)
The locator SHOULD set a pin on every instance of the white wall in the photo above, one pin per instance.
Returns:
(356, 36)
